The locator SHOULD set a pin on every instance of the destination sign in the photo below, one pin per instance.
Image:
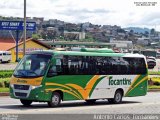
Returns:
(17, 25)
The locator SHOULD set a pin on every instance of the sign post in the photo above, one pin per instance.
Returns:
(17, 39)
(24, 41)
(18, 26)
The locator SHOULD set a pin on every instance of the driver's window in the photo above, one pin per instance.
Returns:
(26, 65)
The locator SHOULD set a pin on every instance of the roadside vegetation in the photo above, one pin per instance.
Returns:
(154, 82)
(5, 76)
(153, 87)
(4, 89)
(154, 72)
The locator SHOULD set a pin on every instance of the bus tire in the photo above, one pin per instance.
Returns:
(55, 100)
(26, 102)
(91, 101)
(117, 97)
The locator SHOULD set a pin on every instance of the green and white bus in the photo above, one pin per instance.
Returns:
(55, 76)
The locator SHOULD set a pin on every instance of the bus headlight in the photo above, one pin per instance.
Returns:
(34, 87)
(11, 85)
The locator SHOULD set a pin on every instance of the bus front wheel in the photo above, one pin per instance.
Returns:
(55, 100)
(117, 97)
(26, 102)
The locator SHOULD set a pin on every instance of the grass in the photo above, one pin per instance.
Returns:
(154, 87)
(154, 72)
(155, 79)
(4, 89)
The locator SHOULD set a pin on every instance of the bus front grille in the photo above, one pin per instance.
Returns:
(21, 87)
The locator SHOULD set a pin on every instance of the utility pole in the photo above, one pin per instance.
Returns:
(24, 41)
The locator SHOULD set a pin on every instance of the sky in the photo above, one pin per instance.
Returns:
(123, 13)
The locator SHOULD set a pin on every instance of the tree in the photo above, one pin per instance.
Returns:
(36, 36)
(121, 31)
(152, 31)
(132, 31)
(146, 34)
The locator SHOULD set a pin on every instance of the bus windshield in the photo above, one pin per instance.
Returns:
(33, 65)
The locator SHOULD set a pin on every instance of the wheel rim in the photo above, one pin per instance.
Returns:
(55, 100)
(118, 97)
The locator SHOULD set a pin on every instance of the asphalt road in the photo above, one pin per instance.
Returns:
(7, 66)
(148, 104)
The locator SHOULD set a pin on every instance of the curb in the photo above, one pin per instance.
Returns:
(4, 94)
(154, 90)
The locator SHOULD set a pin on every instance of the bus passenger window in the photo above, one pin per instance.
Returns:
(52, 71)
(58, 65)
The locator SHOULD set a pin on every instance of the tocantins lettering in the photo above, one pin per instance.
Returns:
(123, 81)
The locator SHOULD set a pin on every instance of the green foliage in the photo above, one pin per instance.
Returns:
(4, 89)
(60, 38)
(88, 38)
(153, 87)
(4, 82)
(6, 73)
(1, 84)
(36, 36)
(156, 83)
(152, 31)
(154, 72)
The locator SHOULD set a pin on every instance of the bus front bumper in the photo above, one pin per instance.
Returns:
(28, 92)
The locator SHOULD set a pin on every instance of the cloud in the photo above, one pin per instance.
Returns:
(113, 12)
(15, 4)
(151, 18)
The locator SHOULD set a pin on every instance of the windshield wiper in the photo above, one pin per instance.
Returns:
(33, 73)
(23, 74)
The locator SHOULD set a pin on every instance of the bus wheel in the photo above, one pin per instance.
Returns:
(91, 101)
(55, 100)
(26, 102)
(117, 97)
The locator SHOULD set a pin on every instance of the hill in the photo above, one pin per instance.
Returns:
(137, 29)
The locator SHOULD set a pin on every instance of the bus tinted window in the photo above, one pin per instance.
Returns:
(96, 65)
(136, 66)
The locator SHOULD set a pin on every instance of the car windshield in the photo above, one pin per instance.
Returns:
(33, 65)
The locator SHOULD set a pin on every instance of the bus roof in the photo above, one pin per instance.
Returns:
(99, 50)
(96, 54)
(78, 53)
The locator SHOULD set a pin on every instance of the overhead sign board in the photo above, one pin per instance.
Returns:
(17, 25)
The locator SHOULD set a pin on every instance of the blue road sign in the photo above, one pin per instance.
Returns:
(17, 25)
